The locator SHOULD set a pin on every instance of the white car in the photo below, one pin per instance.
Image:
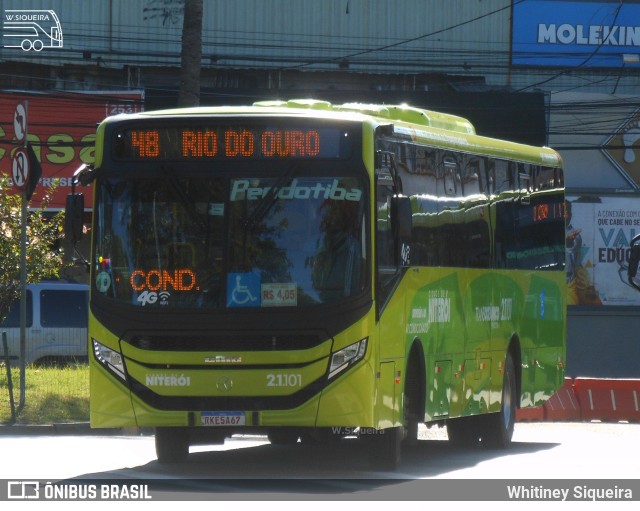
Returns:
(56, 323)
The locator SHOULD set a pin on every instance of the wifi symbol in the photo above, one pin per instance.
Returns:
(164, 297)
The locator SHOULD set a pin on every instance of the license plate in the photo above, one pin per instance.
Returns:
(222, 419)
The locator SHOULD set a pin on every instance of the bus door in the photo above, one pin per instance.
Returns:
(390, 306)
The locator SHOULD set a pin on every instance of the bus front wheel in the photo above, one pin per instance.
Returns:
(498, 428)
(172, 444)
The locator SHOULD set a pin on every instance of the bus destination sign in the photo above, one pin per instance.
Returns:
(183, 143)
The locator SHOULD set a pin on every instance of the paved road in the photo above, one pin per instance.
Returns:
(243, 465)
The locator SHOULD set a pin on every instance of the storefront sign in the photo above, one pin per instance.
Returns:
(576, 33)
(62, 132)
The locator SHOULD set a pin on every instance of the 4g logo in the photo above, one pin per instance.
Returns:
(151, 297)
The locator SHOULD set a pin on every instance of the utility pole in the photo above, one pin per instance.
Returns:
(191, 54)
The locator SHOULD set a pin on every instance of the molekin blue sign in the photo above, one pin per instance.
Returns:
(576, 33)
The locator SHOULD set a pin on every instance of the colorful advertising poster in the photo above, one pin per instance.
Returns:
(61, 130)
(599, 232)
(576, 33)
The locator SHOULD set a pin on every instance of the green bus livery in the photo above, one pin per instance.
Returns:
(306, 270)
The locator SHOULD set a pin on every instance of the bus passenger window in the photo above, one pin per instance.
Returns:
(472, 182)
(545, 178)
(451, 178)
(385, 241)
(525, 176)
(503, 176)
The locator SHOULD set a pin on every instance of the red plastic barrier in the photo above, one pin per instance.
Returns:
(563, 405)
(608, 400)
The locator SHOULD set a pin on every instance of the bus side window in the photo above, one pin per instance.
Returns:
(476, 232)
(450, 220)
(503, 177)
(385, 241)
(546, 178)
(491, 177)
(427, 167)
(525, 175)
(504, 213)
(473, 177)
(485, 183)
(451, 176)
(417, 171)
(387, 268)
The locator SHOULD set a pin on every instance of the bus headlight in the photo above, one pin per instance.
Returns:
(346, 357)
(110, 359)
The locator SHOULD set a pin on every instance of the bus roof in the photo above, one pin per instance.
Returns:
(426, 126)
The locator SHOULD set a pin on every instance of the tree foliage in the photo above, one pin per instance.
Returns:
(44, 233)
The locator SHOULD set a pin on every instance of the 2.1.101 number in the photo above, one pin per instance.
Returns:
(284, 380)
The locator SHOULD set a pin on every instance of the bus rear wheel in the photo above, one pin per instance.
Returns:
(172, 444)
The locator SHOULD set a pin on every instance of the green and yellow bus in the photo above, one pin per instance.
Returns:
(307, 270)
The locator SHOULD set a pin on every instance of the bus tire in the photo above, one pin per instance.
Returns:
(498, 427)
(411, 433)
(414, 395)
(172, 444)
(385, 448)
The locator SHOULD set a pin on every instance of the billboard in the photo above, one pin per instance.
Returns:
(576, 33)
(599, 232)
(61, 129)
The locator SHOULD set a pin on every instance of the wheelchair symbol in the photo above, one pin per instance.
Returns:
(243, 291)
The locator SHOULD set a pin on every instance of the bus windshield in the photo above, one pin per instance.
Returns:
(217, 242)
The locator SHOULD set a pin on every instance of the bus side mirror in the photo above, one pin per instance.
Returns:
(402, 218)
(73, 218)
(634, 259)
